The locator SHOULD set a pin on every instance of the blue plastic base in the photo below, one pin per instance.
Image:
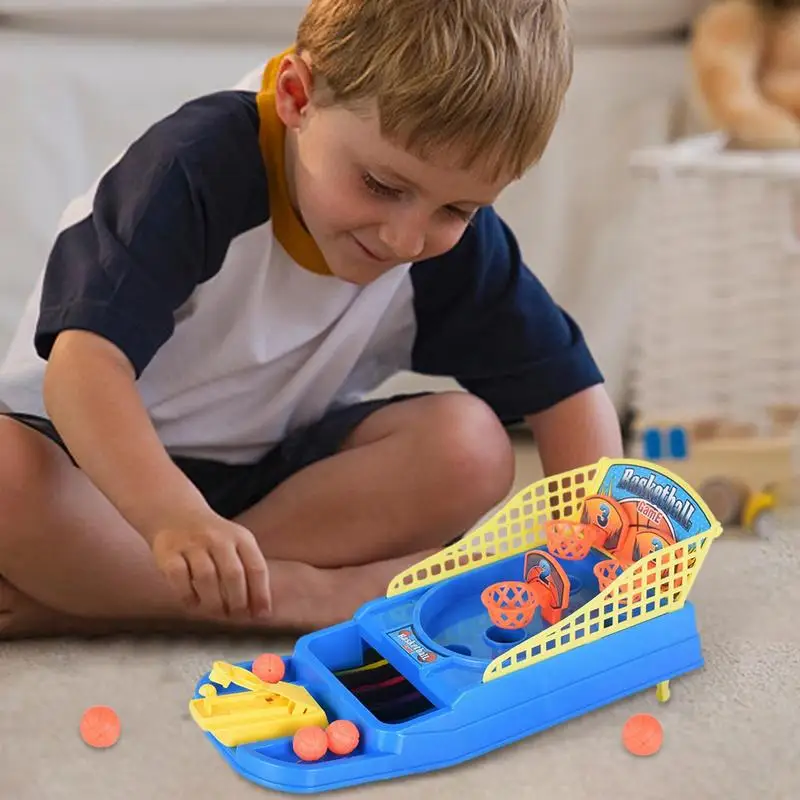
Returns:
(467, 718)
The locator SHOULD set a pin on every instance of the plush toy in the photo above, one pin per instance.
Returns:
(745, 59)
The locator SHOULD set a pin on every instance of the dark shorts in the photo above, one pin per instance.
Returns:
(231, 489)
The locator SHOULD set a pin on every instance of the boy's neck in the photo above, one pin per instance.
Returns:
(289, 162)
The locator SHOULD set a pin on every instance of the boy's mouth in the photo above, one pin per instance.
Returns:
(369, 253)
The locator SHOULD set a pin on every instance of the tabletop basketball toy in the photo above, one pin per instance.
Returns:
(572, 596)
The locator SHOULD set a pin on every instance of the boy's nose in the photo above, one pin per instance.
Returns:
(404, 236)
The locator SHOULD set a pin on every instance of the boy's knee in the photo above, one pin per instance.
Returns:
(469, 448)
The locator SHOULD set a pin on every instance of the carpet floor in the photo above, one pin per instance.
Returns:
(730, 729)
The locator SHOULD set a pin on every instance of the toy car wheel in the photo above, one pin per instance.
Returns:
(763, 524)
(758, 515)
(726, 498)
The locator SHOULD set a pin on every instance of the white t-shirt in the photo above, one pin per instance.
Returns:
(237, 336)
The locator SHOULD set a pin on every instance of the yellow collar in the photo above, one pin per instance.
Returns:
(289, 231)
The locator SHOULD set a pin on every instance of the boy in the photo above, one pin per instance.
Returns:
(187, 441)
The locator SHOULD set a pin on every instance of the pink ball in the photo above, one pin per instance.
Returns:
(269, 668)
(343, 737)
(310, 744)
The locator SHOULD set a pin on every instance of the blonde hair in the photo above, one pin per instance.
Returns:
(486, 77)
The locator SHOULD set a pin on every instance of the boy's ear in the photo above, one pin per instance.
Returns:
(293, 90)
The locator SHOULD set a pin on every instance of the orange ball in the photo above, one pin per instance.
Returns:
(343, 737)
(269, 668)
(642, 735)
(100, 726)
(310, 743)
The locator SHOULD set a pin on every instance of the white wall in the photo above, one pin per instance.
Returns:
(72, 102)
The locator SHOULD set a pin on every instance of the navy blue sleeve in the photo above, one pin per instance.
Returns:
(485, 320)
(158, 224)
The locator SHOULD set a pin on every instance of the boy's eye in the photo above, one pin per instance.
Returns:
(378, 188)
(382, 190)
(460, 213)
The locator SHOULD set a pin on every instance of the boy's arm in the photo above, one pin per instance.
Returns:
(577, 431)
(91, 396)
(485, 319)
(128, 256)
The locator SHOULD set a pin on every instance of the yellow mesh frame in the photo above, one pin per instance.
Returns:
(651, 587)
(519, 526)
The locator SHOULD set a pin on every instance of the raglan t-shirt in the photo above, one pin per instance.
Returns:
(187, 255)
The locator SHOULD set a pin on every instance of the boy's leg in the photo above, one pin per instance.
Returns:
(70, 564)
(63, 547)
(413, 475)
(409, 478)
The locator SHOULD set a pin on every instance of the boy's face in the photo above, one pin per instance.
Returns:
(369, 204)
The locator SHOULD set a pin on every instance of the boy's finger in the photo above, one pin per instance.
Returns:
(176, 571)
(232, 578)
(255, 568)
(205, 580)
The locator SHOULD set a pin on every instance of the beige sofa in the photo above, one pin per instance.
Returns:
(81, 78)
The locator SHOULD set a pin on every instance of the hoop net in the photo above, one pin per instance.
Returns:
(511, 604)
(571, 541)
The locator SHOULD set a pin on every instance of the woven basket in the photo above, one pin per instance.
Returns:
(717, 247)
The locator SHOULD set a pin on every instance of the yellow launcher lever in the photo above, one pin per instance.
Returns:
(263, 711)
(225, 674)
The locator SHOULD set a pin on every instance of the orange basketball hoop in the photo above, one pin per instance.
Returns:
(571, 541)
(511, 604)
(607, 572)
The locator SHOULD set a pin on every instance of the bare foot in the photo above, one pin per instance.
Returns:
(307, 598)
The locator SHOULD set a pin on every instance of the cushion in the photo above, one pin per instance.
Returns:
(593, 20)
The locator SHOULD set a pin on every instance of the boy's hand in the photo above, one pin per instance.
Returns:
(215, 565)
